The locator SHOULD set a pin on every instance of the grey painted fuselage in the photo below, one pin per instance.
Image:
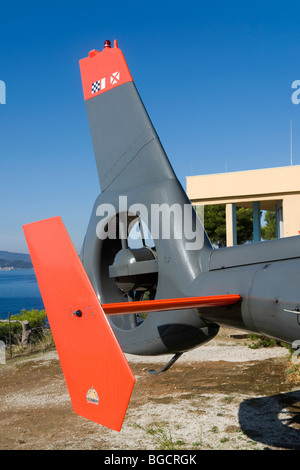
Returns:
(132, 163)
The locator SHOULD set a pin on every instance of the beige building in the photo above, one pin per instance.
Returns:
(275, 189)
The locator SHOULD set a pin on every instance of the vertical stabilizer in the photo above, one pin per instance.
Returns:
(126, 146)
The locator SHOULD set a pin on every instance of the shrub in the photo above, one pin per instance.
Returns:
(37, 320)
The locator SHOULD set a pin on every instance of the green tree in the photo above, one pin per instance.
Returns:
(268, 231)
(215, 224)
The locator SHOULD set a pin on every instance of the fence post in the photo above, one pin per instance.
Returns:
(9, 335)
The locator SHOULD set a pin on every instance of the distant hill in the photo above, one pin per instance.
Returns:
(15, 260)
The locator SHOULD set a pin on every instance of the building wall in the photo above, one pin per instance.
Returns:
(272, 188)
(291, 215)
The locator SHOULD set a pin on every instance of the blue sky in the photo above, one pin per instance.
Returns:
(215, 78)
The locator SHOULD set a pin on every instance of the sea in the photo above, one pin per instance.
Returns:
(19, 290)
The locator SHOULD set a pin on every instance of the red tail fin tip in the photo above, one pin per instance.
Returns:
(102, 71)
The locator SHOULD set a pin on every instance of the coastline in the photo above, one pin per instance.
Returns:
(19, 290)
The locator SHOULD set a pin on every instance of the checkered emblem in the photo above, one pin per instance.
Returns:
(96, 86)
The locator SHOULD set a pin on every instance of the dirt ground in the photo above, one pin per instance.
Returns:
(223, 395)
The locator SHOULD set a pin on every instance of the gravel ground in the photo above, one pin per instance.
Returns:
(223, 395)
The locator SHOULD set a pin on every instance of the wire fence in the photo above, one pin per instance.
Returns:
(23, 338)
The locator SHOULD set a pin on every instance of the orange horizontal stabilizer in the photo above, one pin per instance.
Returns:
(148, 306)
(97, 374)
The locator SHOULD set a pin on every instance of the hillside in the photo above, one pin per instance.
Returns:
(15, 260)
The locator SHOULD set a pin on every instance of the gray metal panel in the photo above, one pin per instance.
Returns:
(263, 252)
(127, 149)
(131, 269)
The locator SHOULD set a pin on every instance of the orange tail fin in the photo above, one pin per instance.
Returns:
(97, 374)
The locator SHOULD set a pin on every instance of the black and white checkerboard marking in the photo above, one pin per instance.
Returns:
(96, 86)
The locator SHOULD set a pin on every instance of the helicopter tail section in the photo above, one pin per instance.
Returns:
(97, 374)
(138, 185)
